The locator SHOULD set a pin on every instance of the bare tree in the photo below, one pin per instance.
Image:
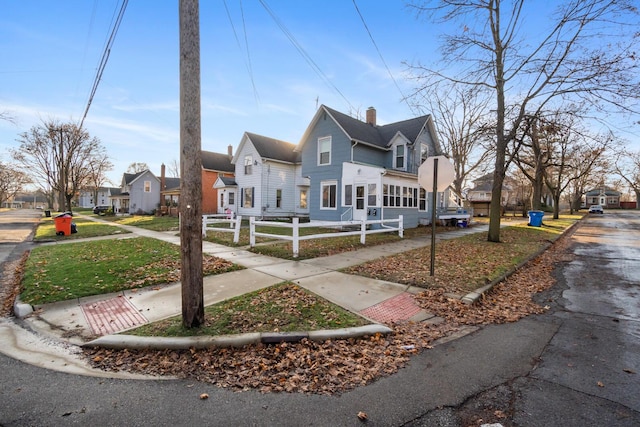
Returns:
(5, 115)
(588, 53)
(463, 130)
(627, 165)
(137, 167)
(57, 155)
(573, 156)
(12, 181)
(174, 168)
(97, 169)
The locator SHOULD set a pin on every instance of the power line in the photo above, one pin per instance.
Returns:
(105, 56)
(404, 98)
(247, 61)
(302, 52)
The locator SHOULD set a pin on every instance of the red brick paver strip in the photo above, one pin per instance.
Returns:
(112, 315)
(395, 309)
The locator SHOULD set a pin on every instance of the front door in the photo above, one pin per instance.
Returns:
(360, 205)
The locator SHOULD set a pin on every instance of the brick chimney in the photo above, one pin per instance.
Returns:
(371, 116)
(230, 151)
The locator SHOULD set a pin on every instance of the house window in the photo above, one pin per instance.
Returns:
(232, 198)
(348, 195)
(278, 198)
(424, 152)
(324, 150)
(248, 164)
(422, 200)
(385, 194)
(147, 186)
(400, 154)
(248, 197)
(328, 192)
(391, 195)
(373, 195)
(303, 199)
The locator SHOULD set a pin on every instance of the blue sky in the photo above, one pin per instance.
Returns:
(50, 51)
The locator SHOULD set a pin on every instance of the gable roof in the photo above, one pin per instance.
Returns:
(377, 136)
(217, 162)
(606, 191)
(130, 178)
(270, 148)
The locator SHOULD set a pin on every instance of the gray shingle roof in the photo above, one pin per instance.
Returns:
(171, 184)
(378, 135)
(274, 149)
(217, 162)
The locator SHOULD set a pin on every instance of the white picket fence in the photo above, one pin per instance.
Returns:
(234, 224)
(295, 226)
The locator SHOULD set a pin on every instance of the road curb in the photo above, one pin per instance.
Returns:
(237, 340)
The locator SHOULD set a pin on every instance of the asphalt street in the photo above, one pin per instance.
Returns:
(577, 365)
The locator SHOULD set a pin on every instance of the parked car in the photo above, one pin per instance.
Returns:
(101, 209)
(596, 209)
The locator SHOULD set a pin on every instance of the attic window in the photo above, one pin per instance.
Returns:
(248, 163)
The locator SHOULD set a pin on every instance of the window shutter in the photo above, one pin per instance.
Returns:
(242, 197)
(253, 197)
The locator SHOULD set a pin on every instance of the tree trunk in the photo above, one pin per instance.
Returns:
(191, 166)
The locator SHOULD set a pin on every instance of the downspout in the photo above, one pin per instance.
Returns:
(382, 174)
(353, 145)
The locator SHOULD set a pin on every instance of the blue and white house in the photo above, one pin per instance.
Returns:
(361, 170)
(267, 182)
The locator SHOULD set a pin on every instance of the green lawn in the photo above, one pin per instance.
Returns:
(60, 272)
(86, 228)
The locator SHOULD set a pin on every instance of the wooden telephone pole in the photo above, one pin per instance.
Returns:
(190, 166)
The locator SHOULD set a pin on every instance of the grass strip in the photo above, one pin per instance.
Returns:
(284, 307)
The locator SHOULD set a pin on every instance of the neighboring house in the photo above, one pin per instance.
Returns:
(86, 196)
(214, 166)
(26, 201)
(267, 182)
(479, 197)
(606, 197)
(139, 193)
(361, 170)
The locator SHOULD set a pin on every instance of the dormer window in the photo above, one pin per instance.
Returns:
(400, 156)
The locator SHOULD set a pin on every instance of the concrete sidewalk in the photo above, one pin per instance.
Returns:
(78, 321)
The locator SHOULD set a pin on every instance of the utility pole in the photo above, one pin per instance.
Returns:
(61, 183)
(190, 166)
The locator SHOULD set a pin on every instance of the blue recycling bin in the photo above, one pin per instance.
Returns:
(535, 218)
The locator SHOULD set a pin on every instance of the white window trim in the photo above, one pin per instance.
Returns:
(404, 157)
(325, 184)
(321, 139)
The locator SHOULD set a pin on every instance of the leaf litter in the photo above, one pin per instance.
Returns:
(335, 366)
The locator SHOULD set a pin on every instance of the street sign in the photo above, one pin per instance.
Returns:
(446, 173)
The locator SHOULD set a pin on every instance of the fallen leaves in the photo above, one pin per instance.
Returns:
(329, 367)
(335, 366)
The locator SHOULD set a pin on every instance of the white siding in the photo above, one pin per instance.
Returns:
(278, 176)
(248, 181)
